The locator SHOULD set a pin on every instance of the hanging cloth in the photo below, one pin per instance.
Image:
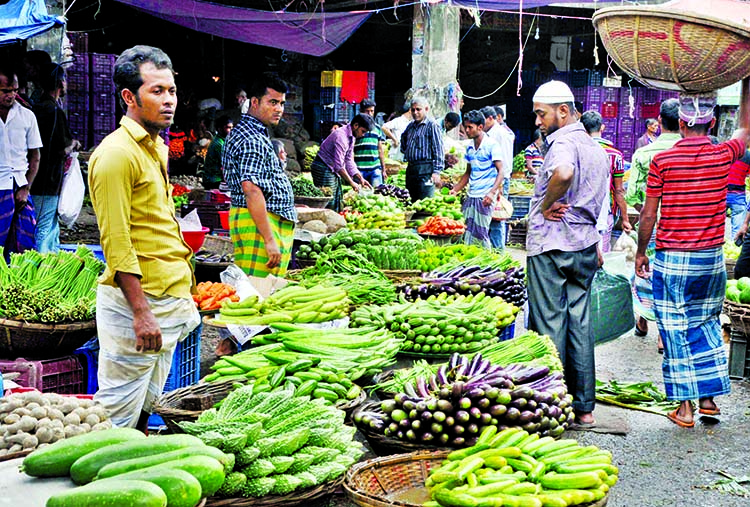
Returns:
(354, 86)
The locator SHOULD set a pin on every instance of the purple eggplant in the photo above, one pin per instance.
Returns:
(512, 414)
(491, 393)
(526, 416)
(444, 438)
(413, 414)
(442, 376)
(408, 405)
(432, 404)
(531, 427)
(519, 403)
(445, 406)
(400, 435)
(411, 435)
(400, 398)
(475, 413)
(498, 410)
(436, 428)
(450, 421)
(410, 390)
(459, 442)
(458, 390)
(405, 424)
(393, 427)
(472, 429)
(530, 404)
(464, 403)
(438, 416)
(416, 425)
(473, 364)
(421, 406)
(433, 384)
(458, 429)
(462, 416)
(445, 393)
(426, 416)
(522, 392)
(487, 419)
(421, 387)
(483, 403)
(475, 393)
(388, 406)
(427, 437)
(529, 374)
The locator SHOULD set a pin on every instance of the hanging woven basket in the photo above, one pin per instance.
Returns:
(685, 45)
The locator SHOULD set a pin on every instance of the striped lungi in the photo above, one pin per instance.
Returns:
(17, 226)
(249, 248)
(323, 176)
(478, 218)
(689, 291)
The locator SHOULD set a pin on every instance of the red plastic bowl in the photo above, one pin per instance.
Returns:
(194, 239)
(224, 217)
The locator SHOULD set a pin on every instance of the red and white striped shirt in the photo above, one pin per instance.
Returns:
(691, 180)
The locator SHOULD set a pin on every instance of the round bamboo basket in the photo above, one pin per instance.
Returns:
(169, 407)
(739, 316)
(685, 45)
(43, 341)
(295, 498)
(399, 480)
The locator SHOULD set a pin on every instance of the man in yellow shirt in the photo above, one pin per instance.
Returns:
(144, 305)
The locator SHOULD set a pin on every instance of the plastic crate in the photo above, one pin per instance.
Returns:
(609, 110)
(330, 95)
(331, 78)
(102, 63)
(103, 122)
(62, 375)
(579, 78)
(579, 93)
(521, 205)
(649, 110)
(79, 41)
(186, 364)
(88, 355)
(648, 95)
(739, 355)
(509, 332)
(595, 94)
(610, 127)
(596, 78)
(627, 126)
(517, 235)
(78, 82)
(611, 94)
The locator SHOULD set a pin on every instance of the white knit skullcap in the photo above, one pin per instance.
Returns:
(553, 92)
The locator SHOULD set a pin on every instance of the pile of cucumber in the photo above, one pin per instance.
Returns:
(514, 468)
(122, 467)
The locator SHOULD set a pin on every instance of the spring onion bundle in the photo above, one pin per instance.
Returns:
(50, 287)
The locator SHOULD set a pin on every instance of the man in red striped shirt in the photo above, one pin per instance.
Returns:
(689, 181)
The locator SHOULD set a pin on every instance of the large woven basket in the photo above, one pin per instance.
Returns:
(399, 480)
(295, 498)
(43, 341)
(392, 480)
(739, 316)
(169, 405)
(685, 45)
(312, 202)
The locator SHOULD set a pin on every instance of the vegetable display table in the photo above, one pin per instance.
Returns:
(21, 489)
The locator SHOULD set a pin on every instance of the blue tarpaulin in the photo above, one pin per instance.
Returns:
(21, 19)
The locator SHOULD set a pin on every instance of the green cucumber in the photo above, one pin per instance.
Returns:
(181, 488)
(112, 493)
(85, 469)
(299, 365)
(306, 388)
(131, 465)
(208, 471)
(55, 460)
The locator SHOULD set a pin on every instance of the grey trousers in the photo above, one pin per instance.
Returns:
(559, 286)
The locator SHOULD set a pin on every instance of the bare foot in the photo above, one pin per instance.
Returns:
(585, 418)
(685, 412)
(707, 405)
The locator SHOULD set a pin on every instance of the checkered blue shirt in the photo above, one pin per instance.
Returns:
(249, 156)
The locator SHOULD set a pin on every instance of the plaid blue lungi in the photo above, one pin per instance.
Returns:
(689, 291)
(17, 226)
(478, 218)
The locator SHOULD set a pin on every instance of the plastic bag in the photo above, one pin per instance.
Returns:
(190, 222)
(503, 209)
(626, 244)
(72, 193)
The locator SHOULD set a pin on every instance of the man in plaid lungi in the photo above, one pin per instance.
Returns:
(689, 181)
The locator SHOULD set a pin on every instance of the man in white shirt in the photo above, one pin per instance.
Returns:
(498, 229)
(19, 161)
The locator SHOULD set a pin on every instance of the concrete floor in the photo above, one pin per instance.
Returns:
(660, 463)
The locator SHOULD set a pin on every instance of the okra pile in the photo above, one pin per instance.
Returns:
(442, 324)
(293, 303)
(512, 467)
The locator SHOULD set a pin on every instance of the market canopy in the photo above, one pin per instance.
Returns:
(311, 33)
(21, 19)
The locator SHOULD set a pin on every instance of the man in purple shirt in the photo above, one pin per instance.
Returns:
(562, 239)
(335, 159)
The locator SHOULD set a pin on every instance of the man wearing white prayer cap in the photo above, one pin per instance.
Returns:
(689, 183)
(562, 240)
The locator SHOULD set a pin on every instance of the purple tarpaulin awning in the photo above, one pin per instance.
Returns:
(315, 34)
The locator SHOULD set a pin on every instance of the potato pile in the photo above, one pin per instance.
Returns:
(32, 420)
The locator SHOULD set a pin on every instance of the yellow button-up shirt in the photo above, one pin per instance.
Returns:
(133, 203)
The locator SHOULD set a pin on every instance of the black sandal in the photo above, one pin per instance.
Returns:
(639, 332)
